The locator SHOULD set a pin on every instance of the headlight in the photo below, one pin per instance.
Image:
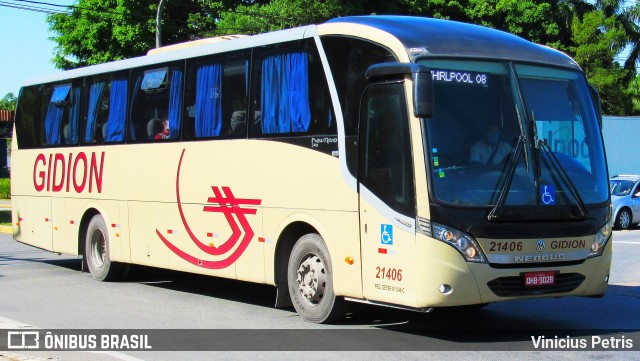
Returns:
(464, 243)
(602, 237)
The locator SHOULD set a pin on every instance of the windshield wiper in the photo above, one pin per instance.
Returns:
(506, 185)
(557, 166)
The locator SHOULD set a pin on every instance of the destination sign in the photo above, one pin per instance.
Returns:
(467, 78)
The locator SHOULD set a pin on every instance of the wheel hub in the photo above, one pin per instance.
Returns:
(99, 247)
(311, 279)
(624, 220)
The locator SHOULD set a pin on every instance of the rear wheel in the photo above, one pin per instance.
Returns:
(310, 280)
(623, 220)
(96, 251)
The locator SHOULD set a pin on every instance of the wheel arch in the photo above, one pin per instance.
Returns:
(293, 229)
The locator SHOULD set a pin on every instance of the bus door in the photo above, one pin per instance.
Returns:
(387, 195)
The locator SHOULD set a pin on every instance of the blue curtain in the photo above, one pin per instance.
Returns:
(95, 93)
(74, 117)
(117, 111)
(208, 101)
(285, 93)
(175, 104)
(52, 123)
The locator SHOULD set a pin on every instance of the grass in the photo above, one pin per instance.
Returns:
(5, 188)
(5, 193)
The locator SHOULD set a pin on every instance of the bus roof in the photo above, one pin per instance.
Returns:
(426, 37)
(422, 37)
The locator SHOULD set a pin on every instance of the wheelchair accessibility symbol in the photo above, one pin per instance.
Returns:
(547, 194)
(386, 234)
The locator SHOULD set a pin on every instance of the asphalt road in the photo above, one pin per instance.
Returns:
(48, 291)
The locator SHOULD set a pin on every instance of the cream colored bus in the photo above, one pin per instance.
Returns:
(407, 162)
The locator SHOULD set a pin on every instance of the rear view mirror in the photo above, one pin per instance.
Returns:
(422, 94)
(422, 83)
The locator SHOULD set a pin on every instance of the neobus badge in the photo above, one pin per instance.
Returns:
(57, 172)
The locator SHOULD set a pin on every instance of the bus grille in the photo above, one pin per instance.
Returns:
(514, 286)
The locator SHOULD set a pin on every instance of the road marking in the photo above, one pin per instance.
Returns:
(626, 242)
(117, 355)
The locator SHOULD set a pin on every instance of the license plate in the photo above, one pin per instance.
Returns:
(545, 278)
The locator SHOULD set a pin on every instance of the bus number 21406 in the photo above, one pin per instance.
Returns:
(393, 274)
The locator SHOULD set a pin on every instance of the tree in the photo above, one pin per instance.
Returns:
(97, 31)
(8, 102)
(598, 39)
(627, 17)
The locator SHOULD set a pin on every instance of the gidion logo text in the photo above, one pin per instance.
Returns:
(78, 173)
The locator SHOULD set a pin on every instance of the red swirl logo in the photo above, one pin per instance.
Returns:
(225, 202)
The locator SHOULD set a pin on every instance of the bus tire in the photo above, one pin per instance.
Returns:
(97, 251)
(310, 280)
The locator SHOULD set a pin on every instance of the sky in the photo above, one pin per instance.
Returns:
(25, 48)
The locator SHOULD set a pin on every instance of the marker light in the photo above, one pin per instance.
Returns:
(464, 243)
(349, 260)
(602, 237)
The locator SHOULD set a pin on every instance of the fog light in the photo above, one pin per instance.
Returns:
(445, 289)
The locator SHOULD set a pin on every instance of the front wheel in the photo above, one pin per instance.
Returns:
(310, 280)
(623, 220)
(96, 251)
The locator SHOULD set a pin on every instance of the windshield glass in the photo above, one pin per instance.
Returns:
(620, 188)
(480, 120)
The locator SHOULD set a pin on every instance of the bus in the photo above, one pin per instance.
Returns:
(397, 161)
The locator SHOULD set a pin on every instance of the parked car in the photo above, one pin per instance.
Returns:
(625, 199)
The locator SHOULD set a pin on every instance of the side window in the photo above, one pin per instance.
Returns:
(216, 97)
(349, 58)
(156, 103)
(106, 109)
(29, 117)
(61, 114)
(386, 164)
(290, 95)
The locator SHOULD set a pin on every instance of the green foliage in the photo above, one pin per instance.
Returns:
(597, 41)
(8, 102)
(98, 31)
(594, 32)
(5, 188)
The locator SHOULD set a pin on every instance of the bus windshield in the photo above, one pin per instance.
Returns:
(513, 135)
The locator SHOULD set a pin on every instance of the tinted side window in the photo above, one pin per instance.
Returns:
(349, 58)
(216, 97)
(156, 103)
(61, 112)
(106, 108)
(386, 164)
(29, 117)
(290, 95)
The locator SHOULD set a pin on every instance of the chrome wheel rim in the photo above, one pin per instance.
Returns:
(311, 279)
(625, 219)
